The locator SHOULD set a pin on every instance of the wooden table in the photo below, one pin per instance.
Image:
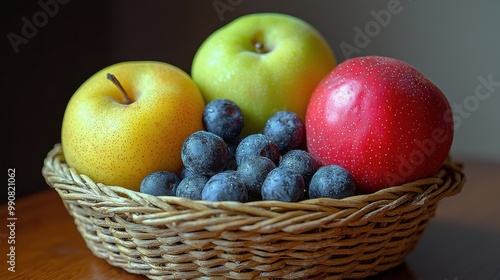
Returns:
(461, 242)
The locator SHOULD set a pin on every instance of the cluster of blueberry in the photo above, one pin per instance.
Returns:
(220, 165)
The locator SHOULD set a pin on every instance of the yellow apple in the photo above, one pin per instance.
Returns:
(131, 119)
(264, 62)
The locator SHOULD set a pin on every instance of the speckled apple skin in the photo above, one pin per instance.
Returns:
(118, 144)
(380, 119)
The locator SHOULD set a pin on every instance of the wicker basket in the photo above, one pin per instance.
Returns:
(177, 238)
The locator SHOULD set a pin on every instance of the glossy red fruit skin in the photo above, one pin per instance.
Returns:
(380, 119)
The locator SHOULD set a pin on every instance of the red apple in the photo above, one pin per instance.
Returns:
(380, 119)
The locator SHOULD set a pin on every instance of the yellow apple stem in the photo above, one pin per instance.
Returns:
(117, 83)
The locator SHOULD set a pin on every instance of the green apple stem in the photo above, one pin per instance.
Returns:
(259, 47)
(117, 83)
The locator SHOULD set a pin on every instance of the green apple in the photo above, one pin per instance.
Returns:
(264, 62)
(129, 120)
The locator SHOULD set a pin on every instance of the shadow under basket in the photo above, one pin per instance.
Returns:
(178, 238)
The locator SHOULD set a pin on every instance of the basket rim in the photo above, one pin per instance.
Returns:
(65, 179)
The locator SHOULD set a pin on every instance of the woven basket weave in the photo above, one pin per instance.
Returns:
(177, 238)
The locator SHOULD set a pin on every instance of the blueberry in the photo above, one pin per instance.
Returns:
(253, 171)
(283, 184)
(257, 145)
(232, 145)
(332, 181)
(225, 186)
(302, 162)
(160, 183)
(224, 118)
(204, 153)
(286, 129)
(191, 187)
(185, 173)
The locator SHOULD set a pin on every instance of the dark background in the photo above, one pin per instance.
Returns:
(452, 42)
(81, 38)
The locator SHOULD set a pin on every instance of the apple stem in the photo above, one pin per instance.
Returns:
(259, 47)
(117, 83)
